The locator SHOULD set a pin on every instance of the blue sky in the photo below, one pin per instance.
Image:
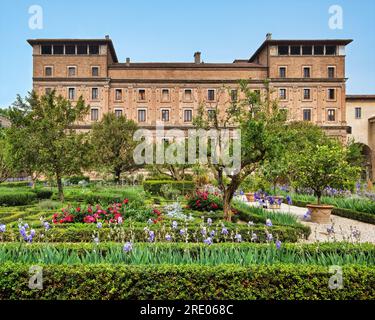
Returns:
(172, 30)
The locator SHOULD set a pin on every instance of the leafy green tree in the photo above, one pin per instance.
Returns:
(49, 120)
(6, 168)
(113, 144)
(325, 165)
(262, 127)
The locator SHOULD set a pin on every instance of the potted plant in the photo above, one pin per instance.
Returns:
(320, 166)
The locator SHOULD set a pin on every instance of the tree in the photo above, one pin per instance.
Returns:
(262, 126)
(6, 169)
(113, 144)
(326, 165)
(49, 120)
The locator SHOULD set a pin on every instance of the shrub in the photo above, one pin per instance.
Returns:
(16, 184)
(169, 192)
(76, 179)
(18, 198)
(205, 201)
(188, 282)
(154, 186)
(43, 193)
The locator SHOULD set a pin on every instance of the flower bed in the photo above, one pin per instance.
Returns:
(205, 201)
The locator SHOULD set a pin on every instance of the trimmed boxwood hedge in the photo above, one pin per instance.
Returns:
(84, 233)
(153, 186)
(346, 213)
(21, 197)
(18, 198)
(169, 282)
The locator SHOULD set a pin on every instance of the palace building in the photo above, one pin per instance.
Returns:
(306, 76)
(360, 115)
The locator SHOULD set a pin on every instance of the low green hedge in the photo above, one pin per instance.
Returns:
(18, 198)
(84, 233)
(346, 213)
(153, 186)
(16, 184)
(24, 196)
(189, 282)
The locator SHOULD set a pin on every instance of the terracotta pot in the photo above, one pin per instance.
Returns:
(250, 197)
(320, 213)
(276, 204)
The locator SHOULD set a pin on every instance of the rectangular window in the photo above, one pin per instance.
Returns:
(48, 71)
(295, 50)
(94, 114)
(188, 95)
(283, 50)
(94, 49)
(306, 72)
(94, 93)
(330, 50)
(71, 93)
(118, 94)
(331, 72)
(141, 94)
(46, 49)
(307, 50)
(331, 94)
(282, 72)
(306, 114)
(165, 95)
(58, 49)
(82, 49)
(165, 115)
(71, 71)
(318, 50)
(70, 49)
(211, 114)
(95, 71)
(118, 113)
(282, 94)
(141, 115)
(306, 94)
(233, 95)
(331, 115)
(358, 112)
(188, 115)
(211, 95)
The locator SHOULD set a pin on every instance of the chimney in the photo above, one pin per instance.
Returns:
(127, 62)
(107, 37)
(268, 36)
(197, 57)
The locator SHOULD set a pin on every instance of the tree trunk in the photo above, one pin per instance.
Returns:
(228, 196)
(319, 196)
(117, 175)
(60, 188)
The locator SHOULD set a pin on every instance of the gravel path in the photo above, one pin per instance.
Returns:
(344, 229)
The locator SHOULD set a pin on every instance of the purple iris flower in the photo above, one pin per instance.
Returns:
(224, 231)
(99, 225)
(238, 237)
(269, 237)
(128, 247)
(182, 232)
(3, 228)
(269, 223)
(209, 221)
(212, 233)
(289, 200)
(208, 241)
(278, 244)
(151, 236)
(174, 224)
(168, 237)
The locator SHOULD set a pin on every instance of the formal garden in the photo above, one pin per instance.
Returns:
(295, 222)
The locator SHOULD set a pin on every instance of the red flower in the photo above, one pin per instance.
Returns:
(78, 209)
(126, 201)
